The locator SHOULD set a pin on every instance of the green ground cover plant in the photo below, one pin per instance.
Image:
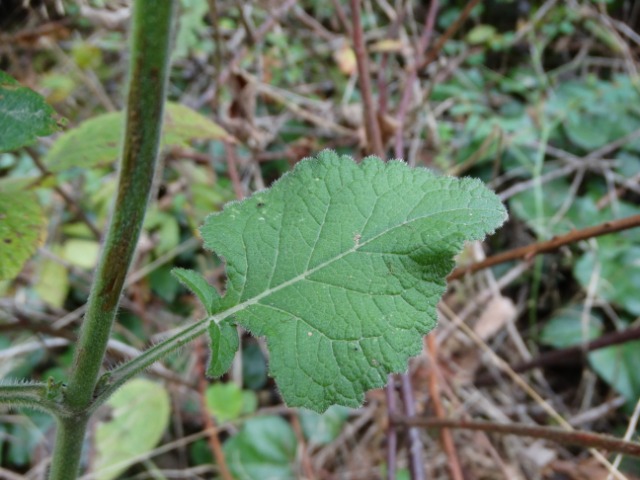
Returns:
(236, 309)
(335, 265)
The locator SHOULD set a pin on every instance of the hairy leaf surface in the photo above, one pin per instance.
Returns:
(340, 266)
(207, 294)
(224, 345)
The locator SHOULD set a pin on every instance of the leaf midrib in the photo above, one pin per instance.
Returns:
(218, 317)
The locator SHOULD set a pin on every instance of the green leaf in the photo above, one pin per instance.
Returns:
(323, 428)
(564, 329)
(618, 366)
(25, 436)
(24, 115)
(619, 280)
(265, 448)
(164, 284)
(22, 231)
(254, 367)
(167, 229)
(224, 344)
(139, 417)
(97, 141)
(481, 34)
(340, 266)
(192, 31)
(590, 130)
(227, 401)
(249, 402)
(207, 294)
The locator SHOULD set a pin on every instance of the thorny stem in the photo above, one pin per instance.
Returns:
(151, 33)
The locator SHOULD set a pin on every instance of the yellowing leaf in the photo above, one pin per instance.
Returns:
(53, 280)
(22, 231)
(345, 57)
(97, 141)
(81, 253)
(139, 416)
(388, 45)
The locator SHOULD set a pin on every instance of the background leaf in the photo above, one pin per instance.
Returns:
(347, 263)
(227, 401)
(53, 280)
(323, 428)
(22, 224)
(618, 366)
(265, 449)
(564, 329)
(24, 115)
(616, 284)
(139, 417)
(97, 141)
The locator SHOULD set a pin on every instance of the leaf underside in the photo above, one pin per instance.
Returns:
(340, 266)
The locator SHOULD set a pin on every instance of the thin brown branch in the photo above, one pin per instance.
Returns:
(382, 83)
(530, 251)
(232, 165)
(302, 448)
(449, 32)
(392, 433)
(555, 434)
(210, 424)
(374, 138)
(218, 54)
(434, 392)
(416, 465)
(258, 35)
(342, 17)
(427, 33)
(567, 355)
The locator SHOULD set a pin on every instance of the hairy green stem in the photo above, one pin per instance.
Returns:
(127, 371)
(67, 451)
(30, 395)
(148, 78)
(150, 52)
